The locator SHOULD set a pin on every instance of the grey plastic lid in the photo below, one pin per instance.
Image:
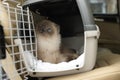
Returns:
(86, 15)
(28, 2)
(84, 8)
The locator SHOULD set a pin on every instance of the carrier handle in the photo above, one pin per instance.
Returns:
(2, 43)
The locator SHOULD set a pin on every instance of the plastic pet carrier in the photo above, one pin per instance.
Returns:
(14, 23)
(78, 32)
(18, 37)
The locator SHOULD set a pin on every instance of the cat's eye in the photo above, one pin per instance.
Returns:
(49, 30)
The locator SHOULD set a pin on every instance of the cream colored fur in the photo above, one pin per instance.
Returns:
(50, 46)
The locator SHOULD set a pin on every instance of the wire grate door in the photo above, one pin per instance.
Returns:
(17, 24)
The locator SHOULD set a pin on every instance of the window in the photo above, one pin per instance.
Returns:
(104, 6)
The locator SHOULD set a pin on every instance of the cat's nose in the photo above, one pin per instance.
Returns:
(42, 30)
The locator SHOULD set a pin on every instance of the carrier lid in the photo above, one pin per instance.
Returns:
(32, 2)
(64, 7)
(53, 7)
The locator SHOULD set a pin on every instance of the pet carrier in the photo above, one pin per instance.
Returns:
(14, 22)
(78, 32)
(77, 29)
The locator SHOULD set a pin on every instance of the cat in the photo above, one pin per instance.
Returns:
(49, 46)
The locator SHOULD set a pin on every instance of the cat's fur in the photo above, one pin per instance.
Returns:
(49, 47)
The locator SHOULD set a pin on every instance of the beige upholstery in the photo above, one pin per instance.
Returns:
(107, 68)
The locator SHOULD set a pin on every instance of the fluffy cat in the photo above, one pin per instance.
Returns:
(49, 47)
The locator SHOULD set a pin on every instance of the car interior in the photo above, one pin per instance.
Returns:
(106, 15)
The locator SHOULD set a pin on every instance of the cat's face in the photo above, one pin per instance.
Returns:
(47, 28)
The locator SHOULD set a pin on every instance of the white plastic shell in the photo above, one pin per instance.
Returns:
(84, 62)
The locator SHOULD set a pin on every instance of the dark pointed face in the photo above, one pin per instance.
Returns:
(47, 28)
